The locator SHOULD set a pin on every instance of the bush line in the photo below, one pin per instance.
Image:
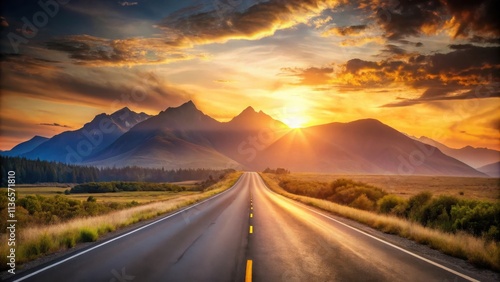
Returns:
(479, 251)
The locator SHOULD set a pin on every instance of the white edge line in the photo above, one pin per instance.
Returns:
(124, 235)
(373, 237)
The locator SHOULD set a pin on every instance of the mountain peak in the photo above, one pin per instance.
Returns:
(121, 112)
(188, 105)
(249, 118)
(249, 109)
(38, 137)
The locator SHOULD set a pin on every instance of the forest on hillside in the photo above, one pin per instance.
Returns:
(37, 171)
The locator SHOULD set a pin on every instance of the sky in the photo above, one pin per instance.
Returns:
(427, 68)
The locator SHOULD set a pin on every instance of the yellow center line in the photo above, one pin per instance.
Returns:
(248, 276)
(251, 229)
(251, 215)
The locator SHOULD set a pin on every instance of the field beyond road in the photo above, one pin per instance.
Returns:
(475, 188)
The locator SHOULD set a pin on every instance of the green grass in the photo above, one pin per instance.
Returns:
(480, 252)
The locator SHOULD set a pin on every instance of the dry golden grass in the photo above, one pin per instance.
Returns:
(475, 250)
(36, 241)
(407, 186)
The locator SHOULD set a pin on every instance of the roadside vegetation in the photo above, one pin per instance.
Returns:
(464, 228)
(107, 187)
(37, 171)
(50, 224)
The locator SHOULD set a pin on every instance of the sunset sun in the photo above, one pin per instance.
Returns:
(295, 121)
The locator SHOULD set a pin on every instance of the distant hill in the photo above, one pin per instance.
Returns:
(492, 170)
(364, 146)
(185, 137)
(475, 157)
(25, 147)
(76, 146)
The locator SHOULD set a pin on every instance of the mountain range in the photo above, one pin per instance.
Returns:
(75, 146)
(185, 137)
(475, 157)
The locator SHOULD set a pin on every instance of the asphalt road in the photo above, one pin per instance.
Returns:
(245, 233)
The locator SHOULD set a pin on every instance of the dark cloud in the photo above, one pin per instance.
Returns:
(220, 24)
(126, 3)
(404, 18)
(347, 30)
(28, 78)
(485, 40)
(391, 49)
(406, 42)
(90, 50)
(477, 17)
(466, 72)
(55, 124)
(3, 22)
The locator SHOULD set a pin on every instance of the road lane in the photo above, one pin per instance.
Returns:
(204, 243)
(292, 242)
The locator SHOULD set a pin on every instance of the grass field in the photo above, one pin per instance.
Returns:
(407, 186)
(38, 240)
(141, 197)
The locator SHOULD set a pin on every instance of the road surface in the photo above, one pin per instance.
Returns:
(246, 233)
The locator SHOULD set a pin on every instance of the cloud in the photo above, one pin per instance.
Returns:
(55, 124)
(485, 40)
(321, 21)
(393, 50)
(224, 81)
(219, 25)
(126, 3)
(3, 22)
(310, 76)
(477, 17)
(362, 41)
(346, 30)
(465, 72)
(401, 19)
(96, 51)
(98, 87)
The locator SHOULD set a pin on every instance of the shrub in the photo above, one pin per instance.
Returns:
(363, 203)
(88, 235)
(68, 240)
(45, 244)
(416, 207)
(388, 203)
(438, 213)
(477, 218)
